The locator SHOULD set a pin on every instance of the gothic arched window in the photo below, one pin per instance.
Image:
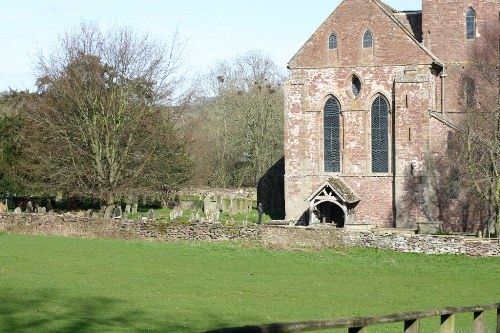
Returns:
(380, 134)
(470, 24)
(368, 39)
(332, 41)
(331, 125)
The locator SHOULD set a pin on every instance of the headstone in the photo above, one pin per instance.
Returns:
(210, 205)
(9, 202)
(29, 207)
(17, 210)
(134, 208)
(127, 209)
(151, 214)
(89, 213)
(108, 212)
(215, 217)
(3, 208)
(41, 210)
(117, 214)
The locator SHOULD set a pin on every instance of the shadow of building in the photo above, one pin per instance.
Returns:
(271, 190)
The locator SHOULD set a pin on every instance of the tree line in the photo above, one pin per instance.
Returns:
(114, 117)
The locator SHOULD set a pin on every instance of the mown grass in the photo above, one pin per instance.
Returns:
(75, 285)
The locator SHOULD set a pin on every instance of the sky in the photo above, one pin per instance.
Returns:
(211, 30)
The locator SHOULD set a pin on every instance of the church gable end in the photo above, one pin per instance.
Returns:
(393, 42)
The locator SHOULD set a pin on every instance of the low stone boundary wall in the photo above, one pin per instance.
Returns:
(73, 226)
(281, 236)
(390, 239)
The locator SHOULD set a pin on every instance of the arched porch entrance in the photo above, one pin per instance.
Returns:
(332, 204)
(330, 213)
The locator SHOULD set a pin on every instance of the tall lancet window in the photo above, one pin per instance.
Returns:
(332, 41)
(331, 124)
(470, 24)
(380, 135)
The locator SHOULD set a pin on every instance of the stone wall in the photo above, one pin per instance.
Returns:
(390, 239)
(277, 236)
(73, 226)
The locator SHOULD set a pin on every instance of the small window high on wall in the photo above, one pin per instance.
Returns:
(331, 125)
(368, 39)
(332, 41)
(470, 24)
(355, 85)
(380, 135)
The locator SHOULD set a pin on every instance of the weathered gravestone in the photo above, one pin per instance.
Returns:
(41, 210)
(134, 208)
(175, 213)
(89, 213)
(151, 214)
(3, 207)
(108, 213)
(18, 210)
(127, 210)
(29, 207)
(117, 214)
(211, 208)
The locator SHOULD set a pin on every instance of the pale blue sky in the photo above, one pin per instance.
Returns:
(212, 29)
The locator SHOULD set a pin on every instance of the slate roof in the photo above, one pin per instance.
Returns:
(344, 190)
(341, 188)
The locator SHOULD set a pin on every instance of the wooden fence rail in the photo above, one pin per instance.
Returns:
(410, 320)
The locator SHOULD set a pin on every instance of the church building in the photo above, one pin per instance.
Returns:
(367, 106)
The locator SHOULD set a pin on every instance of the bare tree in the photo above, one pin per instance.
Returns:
(242, 124)
(101, 125)
(481, 123)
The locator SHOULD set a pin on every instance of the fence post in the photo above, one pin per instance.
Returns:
(498, 320)
(412, 326)
(479, 322)
(357, 330)
(448, 323)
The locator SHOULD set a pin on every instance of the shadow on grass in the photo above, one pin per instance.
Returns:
(45, 311)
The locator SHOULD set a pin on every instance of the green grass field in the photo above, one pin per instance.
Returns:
(52, 284)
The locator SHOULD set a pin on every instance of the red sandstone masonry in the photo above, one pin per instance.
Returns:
(409, 77)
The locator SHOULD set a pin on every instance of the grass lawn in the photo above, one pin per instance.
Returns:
(52, 284)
